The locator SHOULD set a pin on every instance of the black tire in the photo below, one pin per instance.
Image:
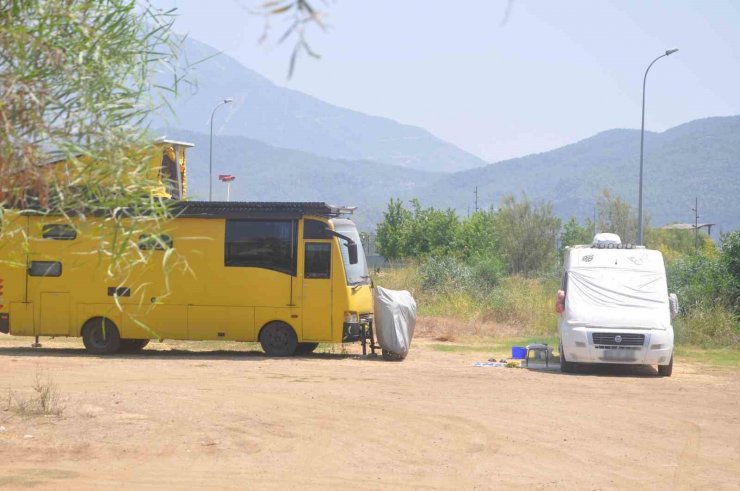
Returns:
(132, 345)
(278, 339)
(306, 348)
(391, 356)
(565, 366)
(101, 337)
(666, 370)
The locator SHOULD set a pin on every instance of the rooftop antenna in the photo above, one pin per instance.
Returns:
(476, 199)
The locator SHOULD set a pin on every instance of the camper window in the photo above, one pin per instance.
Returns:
(268, 244)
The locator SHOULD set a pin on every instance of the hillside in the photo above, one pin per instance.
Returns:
(700, 158)
(267, 173)
(289, 119)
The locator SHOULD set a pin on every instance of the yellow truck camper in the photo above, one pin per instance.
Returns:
(289, 275)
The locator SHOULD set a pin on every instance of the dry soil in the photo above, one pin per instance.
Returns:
(178, 417)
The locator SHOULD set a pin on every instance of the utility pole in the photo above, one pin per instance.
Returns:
(476, 199)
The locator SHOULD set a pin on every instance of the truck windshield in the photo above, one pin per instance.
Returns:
(356, 273)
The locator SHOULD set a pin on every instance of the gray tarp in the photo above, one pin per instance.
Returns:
(395, 319)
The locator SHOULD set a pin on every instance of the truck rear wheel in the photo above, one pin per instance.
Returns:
(666, 370)
(101, 337)
(278, 339)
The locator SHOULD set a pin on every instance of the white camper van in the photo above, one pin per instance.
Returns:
(614, 306)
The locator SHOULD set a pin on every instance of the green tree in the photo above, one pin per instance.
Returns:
(573, 233)
(392, 231)
(431, 232)
(616, 216)
(527, 235)
(77, 78)
(477, 234)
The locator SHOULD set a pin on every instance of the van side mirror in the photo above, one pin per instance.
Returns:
(673, 302)
(352, 252)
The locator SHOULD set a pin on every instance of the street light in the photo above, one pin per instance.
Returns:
(210, 150)
(640, 240)
(228, 179)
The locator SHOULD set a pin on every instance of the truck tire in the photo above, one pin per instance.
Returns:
(666, 370)
(132, 345)
(101, 336)
(565, 366)
(278, 339)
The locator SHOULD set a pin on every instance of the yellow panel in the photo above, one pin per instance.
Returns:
(159, 321)
(85, 312)
(234, 323)
(54, 316)
(21, 319)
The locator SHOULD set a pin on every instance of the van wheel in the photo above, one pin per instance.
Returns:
(666, 370)
(278, 339)
(132, 345)
(306, 348)
(565, 366)
(101, 337)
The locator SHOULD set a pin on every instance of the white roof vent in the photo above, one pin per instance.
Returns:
(607, 238)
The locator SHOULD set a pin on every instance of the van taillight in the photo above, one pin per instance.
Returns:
(5, 323)
(1, 293)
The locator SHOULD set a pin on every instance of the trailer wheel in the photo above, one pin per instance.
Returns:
(391, 356)
(101, 336)
(306, 348)
(132, 345)
(278, 339)
(565, 366)
(666, 370)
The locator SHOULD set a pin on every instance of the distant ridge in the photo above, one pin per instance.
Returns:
(289, 119)
(700, 159)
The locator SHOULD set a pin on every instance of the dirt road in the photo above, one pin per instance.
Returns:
(174, 418)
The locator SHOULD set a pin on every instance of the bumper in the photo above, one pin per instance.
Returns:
(355, 331)
(580, 346)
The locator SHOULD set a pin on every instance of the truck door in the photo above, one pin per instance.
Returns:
(317, 291)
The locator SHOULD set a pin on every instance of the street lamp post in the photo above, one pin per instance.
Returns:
(210, 150)
(640, 240)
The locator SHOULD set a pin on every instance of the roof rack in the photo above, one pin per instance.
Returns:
(257, 209)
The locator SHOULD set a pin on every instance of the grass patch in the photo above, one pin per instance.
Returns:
(721, 357)
(493, 346)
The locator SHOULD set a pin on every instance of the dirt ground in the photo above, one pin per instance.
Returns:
(177, 417)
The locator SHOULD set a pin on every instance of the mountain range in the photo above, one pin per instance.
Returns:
(289, 119)
(285, 145)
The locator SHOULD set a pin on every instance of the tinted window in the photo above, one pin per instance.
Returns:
(314, 229)
(149, 242)
(268, 244)
(58, 231)
(318, 260)
(45, 268)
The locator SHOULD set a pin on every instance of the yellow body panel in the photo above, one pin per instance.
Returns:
(184, 293)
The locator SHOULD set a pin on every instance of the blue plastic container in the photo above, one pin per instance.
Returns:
(518, 352)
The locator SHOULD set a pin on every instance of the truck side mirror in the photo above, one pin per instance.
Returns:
(673, 302)
(352, 252)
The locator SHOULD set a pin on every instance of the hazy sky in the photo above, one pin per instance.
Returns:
(553, 73)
